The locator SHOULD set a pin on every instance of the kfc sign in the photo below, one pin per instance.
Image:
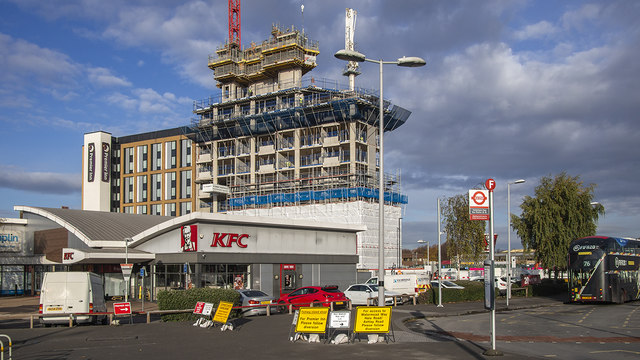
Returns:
(67, 256)
(189, 238)
(228, 239)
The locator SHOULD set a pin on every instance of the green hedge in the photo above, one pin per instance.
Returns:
(187, 299)
(474, 291)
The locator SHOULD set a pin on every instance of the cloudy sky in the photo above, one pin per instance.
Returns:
(512, 89)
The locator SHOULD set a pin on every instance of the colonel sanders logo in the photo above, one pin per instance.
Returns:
(189, 238)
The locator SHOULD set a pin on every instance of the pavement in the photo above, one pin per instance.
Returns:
(267, 337)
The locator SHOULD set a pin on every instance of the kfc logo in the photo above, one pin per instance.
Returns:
(189, 238)
(227, 239)
(68, 256)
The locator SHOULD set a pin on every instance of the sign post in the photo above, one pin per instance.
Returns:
(126, 273)
(490, 184)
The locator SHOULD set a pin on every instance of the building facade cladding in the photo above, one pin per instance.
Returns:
(152, 173)
(222, 251)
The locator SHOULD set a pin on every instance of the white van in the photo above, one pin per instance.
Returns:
(410, 284)
(67, 293)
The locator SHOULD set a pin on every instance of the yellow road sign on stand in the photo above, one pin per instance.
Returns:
(372, 319)
(222, 314)
(312, 320)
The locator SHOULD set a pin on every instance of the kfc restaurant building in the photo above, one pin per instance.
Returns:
(194, 250)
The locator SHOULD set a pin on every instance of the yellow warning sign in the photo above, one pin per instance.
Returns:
(312, 320)
(372, 319)
(223, 311)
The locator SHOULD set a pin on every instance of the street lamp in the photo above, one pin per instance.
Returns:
(424, 242)
(509, 236)
(352, 55)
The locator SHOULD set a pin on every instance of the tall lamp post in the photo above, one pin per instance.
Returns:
(439, 260)
(352, 55)
(509, 236)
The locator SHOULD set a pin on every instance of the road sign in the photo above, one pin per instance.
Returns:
(126, 271)
(122, 308)
(478, 205)
(490, 184)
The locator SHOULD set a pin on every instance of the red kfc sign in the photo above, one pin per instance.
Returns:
(228, 239)
(189, 238)
(67, 256)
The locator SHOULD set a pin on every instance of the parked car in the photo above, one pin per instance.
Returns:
(307, 295)
(365, 294)
(446, 284)
(257, 300)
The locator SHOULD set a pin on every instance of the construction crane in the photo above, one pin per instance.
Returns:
(234, 23)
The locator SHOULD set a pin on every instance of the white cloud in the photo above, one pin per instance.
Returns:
(39, 182)
(535, 31)
(102, 77)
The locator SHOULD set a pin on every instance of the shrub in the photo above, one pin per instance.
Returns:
(187, 299)
(549, 287)
(473, 290)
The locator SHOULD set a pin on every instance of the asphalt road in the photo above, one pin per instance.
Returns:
(568, 331)
(531, 328)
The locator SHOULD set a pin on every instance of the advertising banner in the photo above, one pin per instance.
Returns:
(91, 162)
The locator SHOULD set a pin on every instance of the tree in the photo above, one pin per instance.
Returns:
(561, 211)
(465, 237)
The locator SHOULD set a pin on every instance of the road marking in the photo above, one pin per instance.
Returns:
(611, 351)
(585, 316)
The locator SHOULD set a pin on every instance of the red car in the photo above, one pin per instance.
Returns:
(307, 295)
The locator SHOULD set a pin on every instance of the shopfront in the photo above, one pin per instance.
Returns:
(195, 250)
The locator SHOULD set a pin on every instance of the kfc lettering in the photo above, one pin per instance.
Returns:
(219, 240)
(68, 256)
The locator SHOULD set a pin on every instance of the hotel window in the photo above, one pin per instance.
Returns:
(128, 190)
(171, 152)
(170, 209)
(128, 209)
(185, 208)
(170, 186)
(142, 158)
(141, 188)
(185, 153)
(128, 160)
(156, 209)
(185, 184)
(141, 209)
(156, 157)
(156, 187)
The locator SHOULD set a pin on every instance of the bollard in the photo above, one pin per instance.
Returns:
(10, 345)
(70, 320)
(268, 310)
(30, 321)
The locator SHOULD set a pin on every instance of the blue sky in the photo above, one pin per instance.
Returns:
(512, 89)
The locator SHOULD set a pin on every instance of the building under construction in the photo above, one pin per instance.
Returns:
(278, 143)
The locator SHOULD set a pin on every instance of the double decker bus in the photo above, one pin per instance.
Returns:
(604, 269)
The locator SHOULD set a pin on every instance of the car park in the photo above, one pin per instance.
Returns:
(366, 294)
(446, 284)
(312, 295)
(255, 302)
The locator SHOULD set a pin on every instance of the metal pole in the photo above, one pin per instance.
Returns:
(126, 261)
(439, 260)
(508, 243)
(492, 254)
(381, 198)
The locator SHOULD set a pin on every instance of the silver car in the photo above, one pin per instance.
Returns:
(254, 302)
